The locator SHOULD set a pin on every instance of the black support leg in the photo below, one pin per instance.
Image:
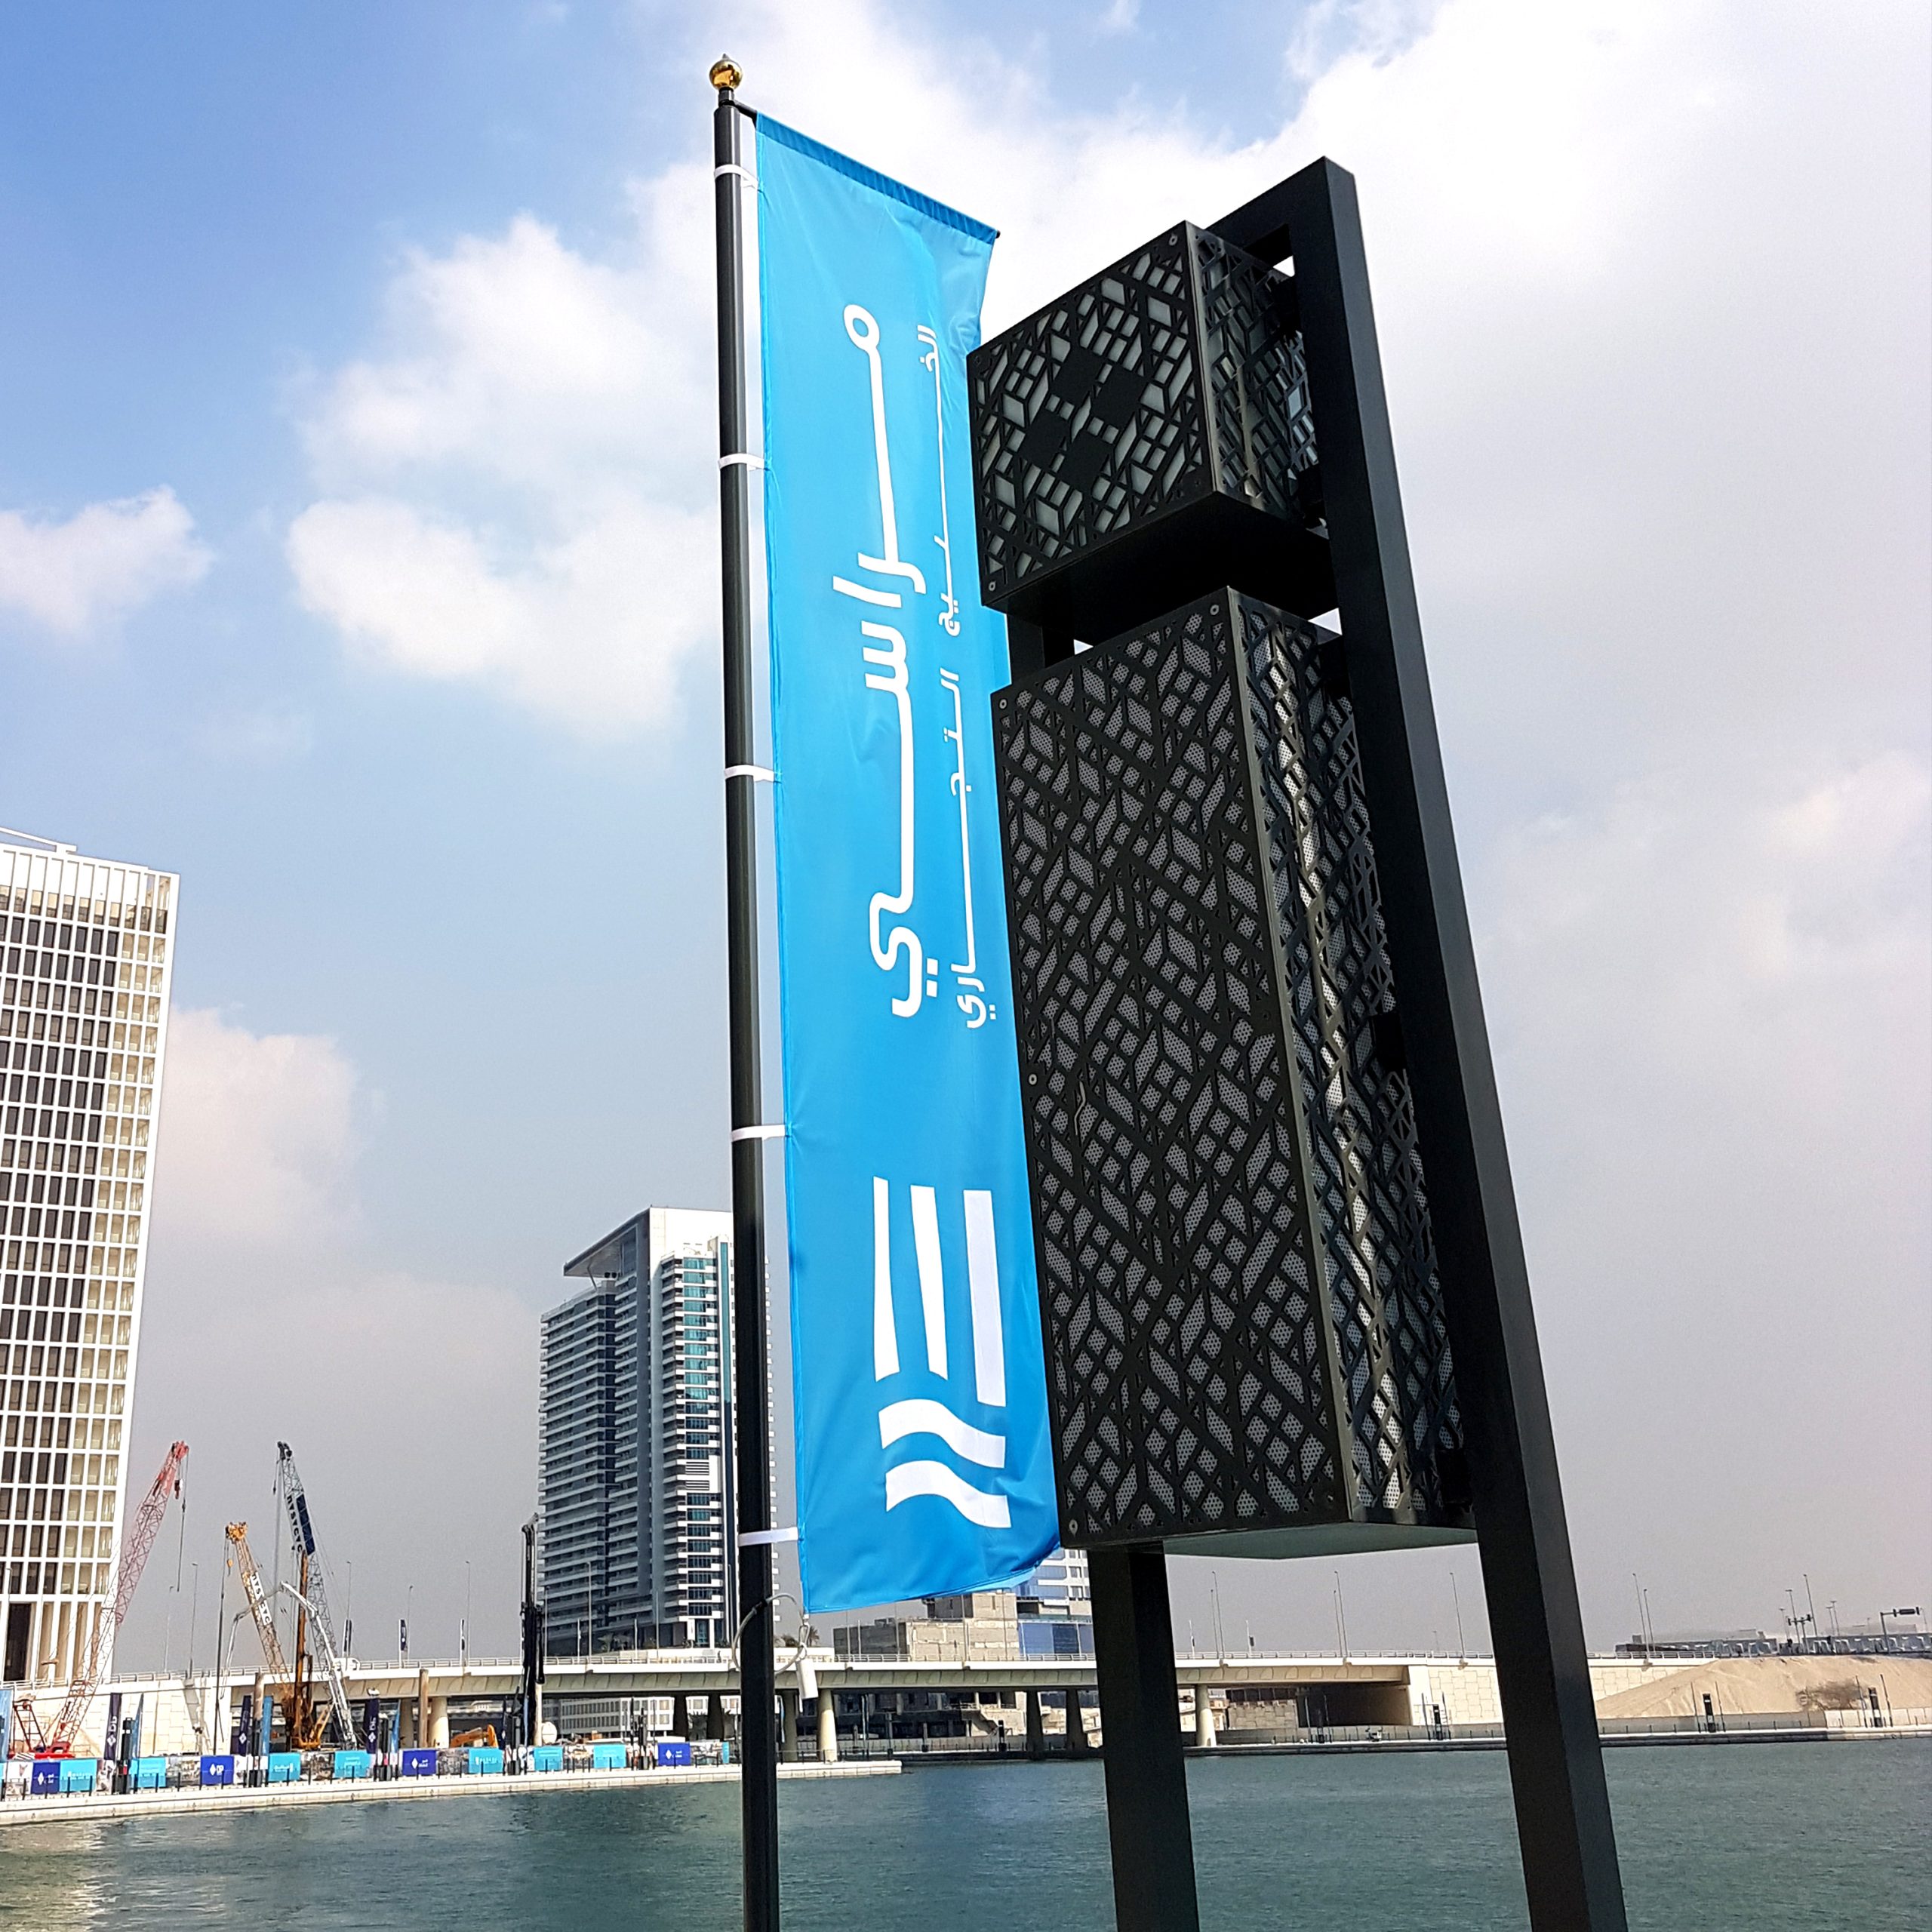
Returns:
(1570, 1864)
(1147, 1822)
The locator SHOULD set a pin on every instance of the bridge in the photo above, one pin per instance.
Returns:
(979, 1690)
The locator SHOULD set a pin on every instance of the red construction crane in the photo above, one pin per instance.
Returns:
(127, 1573)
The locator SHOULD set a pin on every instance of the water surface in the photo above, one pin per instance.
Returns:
(1770, 1837)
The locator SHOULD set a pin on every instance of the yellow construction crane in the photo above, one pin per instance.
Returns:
(304, 1732)
(263, 1612)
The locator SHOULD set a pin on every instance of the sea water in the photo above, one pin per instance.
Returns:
(1760, 1837)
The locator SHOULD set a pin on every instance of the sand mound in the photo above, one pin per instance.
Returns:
(1760, 1686)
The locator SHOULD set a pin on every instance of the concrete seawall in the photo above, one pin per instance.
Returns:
(90, 1809)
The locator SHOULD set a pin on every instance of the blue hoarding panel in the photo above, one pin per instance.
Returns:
(608, 1757)
(218, 1770)
(674, 1751)
(351, 1764)
(419, 1764)
(485, 1760)
(45, 1777)
(285, 1766)
(150, 1774)
(546, 1758)
(923, 1466)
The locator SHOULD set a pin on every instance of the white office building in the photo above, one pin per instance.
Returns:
(635, 1525)
(86, 958)
(1060, 1587)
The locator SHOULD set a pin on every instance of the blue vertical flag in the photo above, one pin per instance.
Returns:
(920, 1391)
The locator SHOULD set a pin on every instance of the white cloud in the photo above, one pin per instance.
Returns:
(256, 1138)
(590, 627)
(1653, 297)
(1709, 999)
(1610, 385)
(101, 563)
(408, 1398)
(517, 492)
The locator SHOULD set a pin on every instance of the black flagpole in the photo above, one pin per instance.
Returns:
(758, 1728)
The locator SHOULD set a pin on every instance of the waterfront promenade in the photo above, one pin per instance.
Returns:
(1271, 1697)
(95, 1807)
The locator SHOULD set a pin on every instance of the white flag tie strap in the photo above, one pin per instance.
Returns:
(755, 1539)
(767, 1132)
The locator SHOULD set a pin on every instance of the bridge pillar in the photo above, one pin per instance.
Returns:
(423, 1707)
(827, 1728)
(1204, 1718)
(1076, 1725)
(714, 1718)
(439, 1723)
(1036, 1729)
(788, 1727)
(680, 1715)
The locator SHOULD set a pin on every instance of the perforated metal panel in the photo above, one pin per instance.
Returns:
(1392, 1346)
(1243, 1326)
(1170, 386)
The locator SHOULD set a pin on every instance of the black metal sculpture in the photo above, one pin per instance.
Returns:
(1284, 1295)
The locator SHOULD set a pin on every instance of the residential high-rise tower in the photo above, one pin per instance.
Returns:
(84, 976)
(635, 1524)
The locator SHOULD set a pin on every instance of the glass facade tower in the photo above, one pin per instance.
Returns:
(635, 1524)
(86, 959)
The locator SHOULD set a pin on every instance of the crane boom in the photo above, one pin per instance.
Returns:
(122, 1581)
(295, 1502)
(259, 1605)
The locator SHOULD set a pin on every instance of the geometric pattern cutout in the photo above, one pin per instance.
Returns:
(1379, 1251)
(1239, 1299)
(1174, 374)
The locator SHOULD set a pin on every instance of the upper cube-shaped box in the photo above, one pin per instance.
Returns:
(1147, 438)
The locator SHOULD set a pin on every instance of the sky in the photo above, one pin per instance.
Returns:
(357, 562)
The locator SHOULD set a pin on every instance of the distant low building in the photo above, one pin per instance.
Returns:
(1049, 1614)
(634, 1513)
(86, 963)
(1060, 1587)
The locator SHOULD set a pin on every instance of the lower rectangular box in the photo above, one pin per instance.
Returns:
(1245, 1340)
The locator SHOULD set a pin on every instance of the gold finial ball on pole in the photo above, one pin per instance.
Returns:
(726, 74)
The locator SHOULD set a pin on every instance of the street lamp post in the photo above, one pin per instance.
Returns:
(221, 1611)
(194, 1608)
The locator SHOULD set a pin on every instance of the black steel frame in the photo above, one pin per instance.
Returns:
(1568, 1845)
(1570, 1864)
